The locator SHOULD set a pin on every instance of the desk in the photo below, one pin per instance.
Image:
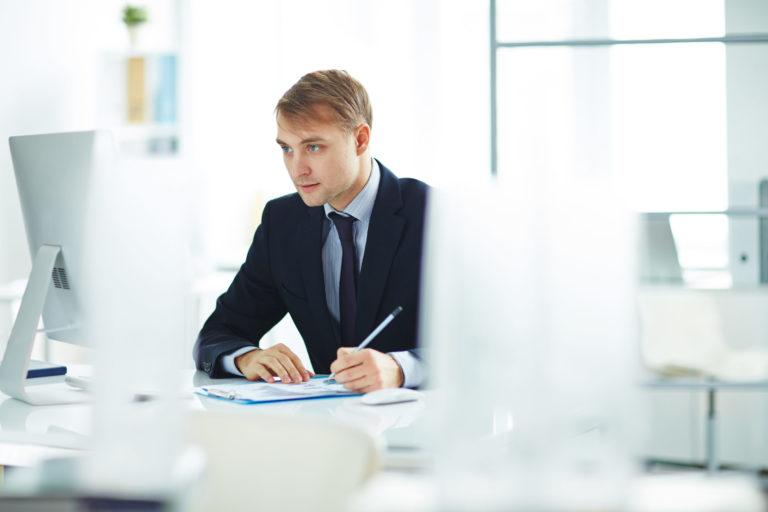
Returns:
(29, 434)
(400, 426)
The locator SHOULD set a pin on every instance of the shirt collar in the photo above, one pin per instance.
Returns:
(362, 205)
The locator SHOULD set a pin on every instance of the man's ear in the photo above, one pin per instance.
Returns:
(362, 134)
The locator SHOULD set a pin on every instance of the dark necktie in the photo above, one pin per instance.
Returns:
(348, 279)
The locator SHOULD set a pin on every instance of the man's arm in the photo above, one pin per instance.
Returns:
(245, 312)
(397, 361)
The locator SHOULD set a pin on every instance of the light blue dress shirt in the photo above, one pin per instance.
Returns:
(360, 208)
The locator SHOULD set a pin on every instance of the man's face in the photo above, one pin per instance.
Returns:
(322, 159)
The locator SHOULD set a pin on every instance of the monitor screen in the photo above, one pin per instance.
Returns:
(53, 176)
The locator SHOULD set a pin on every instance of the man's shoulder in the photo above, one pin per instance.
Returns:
(289, 204)
(285, 213)
(413, 185)
(408, 186)
(413, 194)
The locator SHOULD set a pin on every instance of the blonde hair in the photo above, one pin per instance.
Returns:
(345, 96)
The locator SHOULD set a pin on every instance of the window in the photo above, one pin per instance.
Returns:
(647, 95)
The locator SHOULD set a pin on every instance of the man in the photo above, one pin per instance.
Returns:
(339, 255)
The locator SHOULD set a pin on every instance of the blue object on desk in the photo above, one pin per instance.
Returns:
(263, 392)
(43, 369)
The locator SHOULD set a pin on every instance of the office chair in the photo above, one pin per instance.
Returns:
(278, 462)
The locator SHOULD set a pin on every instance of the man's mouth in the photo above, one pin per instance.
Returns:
(308, 186)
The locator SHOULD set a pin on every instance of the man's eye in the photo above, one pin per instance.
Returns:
(286, 149)
(313, 148)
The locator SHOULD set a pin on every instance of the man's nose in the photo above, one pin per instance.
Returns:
(299, 165)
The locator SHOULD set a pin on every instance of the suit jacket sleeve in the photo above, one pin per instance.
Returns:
(246, 311)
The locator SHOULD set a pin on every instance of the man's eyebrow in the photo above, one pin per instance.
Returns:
(312, 139)
(309, 140)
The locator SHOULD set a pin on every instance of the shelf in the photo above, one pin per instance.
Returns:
(139, 102)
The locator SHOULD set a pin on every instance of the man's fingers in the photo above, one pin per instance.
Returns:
(276, 361)
(290, 371)
(264, 373)
(344, 359)
(279, 362)
(350, 373)
(300, 373)
(344, 351)
(361, 381)
(281, 366)
(256, 371)
(342, 365)
(355, 383)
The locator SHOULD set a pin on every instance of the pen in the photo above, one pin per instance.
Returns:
(229, 395)
(373, 334)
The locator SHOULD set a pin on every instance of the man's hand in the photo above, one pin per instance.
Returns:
(276, 361)
(366, 370)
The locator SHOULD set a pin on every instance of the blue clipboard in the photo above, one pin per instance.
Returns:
(261, 392)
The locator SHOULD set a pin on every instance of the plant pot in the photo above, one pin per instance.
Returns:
(133, 36)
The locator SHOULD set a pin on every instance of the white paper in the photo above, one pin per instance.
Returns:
(264, 391)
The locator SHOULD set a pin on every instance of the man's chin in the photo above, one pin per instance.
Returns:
(311, 201)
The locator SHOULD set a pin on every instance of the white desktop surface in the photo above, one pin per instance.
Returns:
(29, 433)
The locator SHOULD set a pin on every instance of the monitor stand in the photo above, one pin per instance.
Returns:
(15, 363)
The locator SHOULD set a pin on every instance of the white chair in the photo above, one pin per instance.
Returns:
(683, 334)
(278, 462)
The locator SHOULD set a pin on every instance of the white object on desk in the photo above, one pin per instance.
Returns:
(390, 396)
(260, 392)
(84, 383)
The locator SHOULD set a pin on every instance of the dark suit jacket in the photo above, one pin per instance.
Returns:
(283, 274)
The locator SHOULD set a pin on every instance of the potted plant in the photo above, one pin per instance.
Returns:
(134, 17)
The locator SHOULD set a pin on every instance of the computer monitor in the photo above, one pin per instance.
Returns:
(55, 175)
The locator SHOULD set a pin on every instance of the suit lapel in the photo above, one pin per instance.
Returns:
(309, 246)
(384, 234)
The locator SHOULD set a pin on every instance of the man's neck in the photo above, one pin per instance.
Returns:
(363, 177)
(365, 169)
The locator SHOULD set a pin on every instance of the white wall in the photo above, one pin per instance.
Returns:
(48, 50)
(424, 63)
(50, 56)
(47, 81)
